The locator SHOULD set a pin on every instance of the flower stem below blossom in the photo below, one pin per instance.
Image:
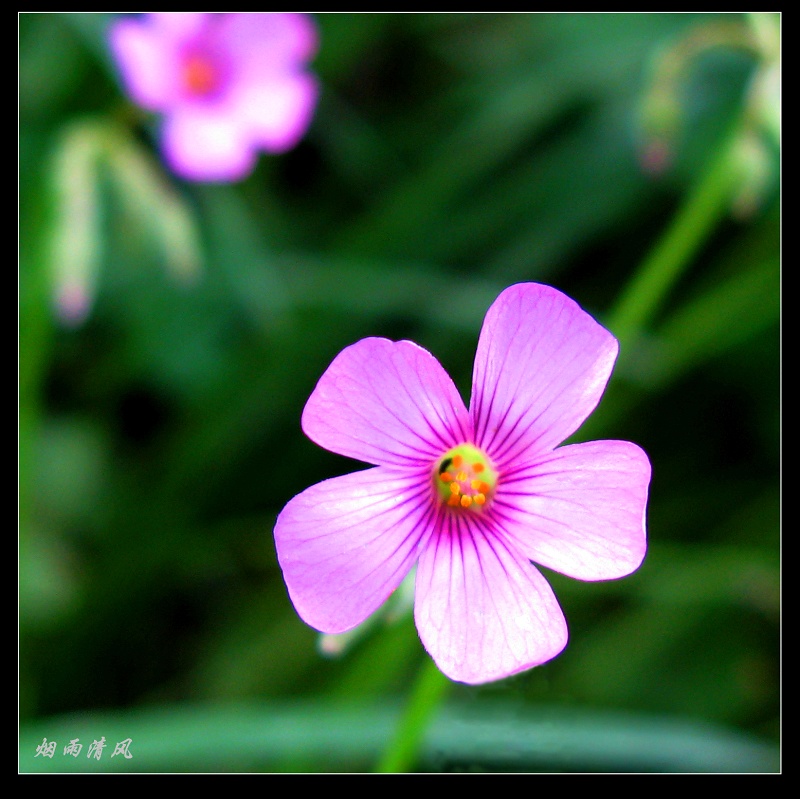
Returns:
(709, 199)
(428, 692)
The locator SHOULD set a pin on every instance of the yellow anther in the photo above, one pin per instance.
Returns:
(464, 478)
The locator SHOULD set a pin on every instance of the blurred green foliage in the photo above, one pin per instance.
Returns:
(450, 155)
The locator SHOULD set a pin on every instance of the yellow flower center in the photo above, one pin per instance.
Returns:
(464, 478)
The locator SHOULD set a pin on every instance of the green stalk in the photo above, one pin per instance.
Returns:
(708, 201)
(428, 693)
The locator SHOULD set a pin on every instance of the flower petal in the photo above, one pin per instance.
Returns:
(178, 26)
(541, 367)
(483, 612)
(386, 402)
(269, 41)
(345, 544)
(201, 144)
(149, 68)
(580, 510)
(276, 113)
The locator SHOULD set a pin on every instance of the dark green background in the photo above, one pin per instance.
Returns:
(450, 156)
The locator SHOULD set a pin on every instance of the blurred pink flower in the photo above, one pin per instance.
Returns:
(472, 497)
(228, 85)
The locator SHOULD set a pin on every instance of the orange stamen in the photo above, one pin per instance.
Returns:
(464, 478)
(199, 75)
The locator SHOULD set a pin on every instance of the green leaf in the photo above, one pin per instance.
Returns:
(485, 736)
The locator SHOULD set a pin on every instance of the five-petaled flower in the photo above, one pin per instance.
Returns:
(473, 497)
(228, 85)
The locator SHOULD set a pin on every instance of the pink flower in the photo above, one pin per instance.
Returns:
(228, 85)
(472, 497)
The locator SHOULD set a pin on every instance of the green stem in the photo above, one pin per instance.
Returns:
(708, 200)
(428, 693)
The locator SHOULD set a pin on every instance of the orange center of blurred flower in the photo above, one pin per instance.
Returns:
(200, 76)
